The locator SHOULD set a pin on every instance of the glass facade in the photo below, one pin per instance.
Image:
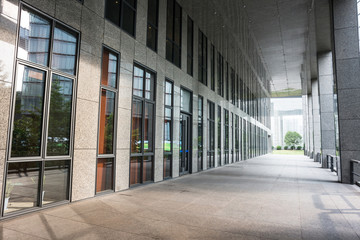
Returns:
(202, 58)
(107, 121)
(122, 13)
(190, 46)
(173, 32)
(40, 157)
(152, 24)
(211, 135)
(168, 129)
(143, 125)
(200, 133)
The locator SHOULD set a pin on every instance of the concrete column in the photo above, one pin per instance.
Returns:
(305, 124)
(316, 116)
(326, 80)
(346, 43)
(311, 128)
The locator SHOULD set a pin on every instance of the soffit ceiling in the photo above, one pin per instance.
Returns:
(281, 29)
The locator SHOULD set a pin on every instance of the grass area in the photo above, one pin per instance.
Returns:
(289, 152)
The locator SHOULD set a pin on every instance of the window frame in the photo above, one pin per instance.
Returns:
(143, 100)
(171, 153)
(116, 92)
(43, 158)
(172, 40)
(120, 24)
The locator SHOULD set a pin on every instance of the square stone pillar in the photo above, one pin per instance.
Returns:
(346, 41)
(326, 94)
(316, 116)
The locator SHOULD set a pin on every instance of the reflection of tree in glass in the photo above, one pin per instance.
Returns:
(109, 133)
(59, 121)
(27, 129)
(136, 140)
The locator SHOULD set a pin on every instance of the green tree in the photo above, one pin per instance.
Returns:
(292, 139)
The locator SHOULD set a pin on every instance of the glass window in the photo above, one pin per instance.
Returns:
(186, 101)
(22, 186)
(173, 32)
(202, 60)
(37, 135)
(220, 85)
(219, 135)
(200, 134)
(58, 141)
(56, 181)
(109, 69)
(152, 27)
(142, 135)
(226, 136)
(122, 13)
(106, 125)
(105, 172)
(212, 54)
(29, 102)
(64, 50)
(211, 135)
(34, 37)
(190, 46)
(168, 132)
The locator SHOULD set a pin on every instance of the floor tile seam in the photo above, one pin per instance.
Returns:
(103, 227)
(16, 230)
(343, 215)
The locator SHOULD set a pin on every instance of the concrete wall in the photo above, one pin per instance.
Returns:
(88, 18)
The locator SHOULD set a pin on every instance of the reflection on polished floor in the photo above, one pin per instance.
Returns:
(269, 197)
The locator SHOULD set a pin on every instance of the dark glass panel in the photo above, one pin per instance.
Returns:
(147, 168)
(112, 10)
(106, 125)
(58, 141)
(34, 38)
(169, 51)
(170, 19)
(132, 3)
(153, 12)
(148, 125)
(190, 65)
(109, 69)
(177, 56)
(128, 19)
(190, 33)
(22, 186)
(167, 130)
(168, 93)
(151, 37)
(136, 133)
(167, 166)
(149, 86)
(138, 88)
(64, 50)
(56, 181)
(105, 172)
(135, 170)
(27, 129)
(177, 25)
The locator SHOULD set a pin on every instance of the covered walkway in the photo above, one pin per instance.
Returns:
(270, 197)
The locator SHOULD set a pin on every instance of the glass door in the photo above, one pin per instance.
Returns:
(185, 143)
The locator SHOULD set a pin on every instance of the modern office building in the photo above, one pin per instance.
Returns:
(99, 96)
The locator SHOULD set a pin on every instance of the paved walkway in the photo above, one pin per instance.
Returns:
(270, 197)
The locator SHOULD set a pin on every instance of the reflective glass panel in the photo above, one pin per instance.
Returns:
(109, 69)
(167, 131)
(149, 118)
(167, 166)
(56, 181)
(136, 133)
(106, 125)
(58, 141)
(22, 183)
(128, 19)
(138, 82)
(64, 50)
(27, 129)
(112, 10)
(34, 38)
(149, 86)
(105, 172)
(168, 93)
(185, 101)
(135, 170)
(147, 169)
